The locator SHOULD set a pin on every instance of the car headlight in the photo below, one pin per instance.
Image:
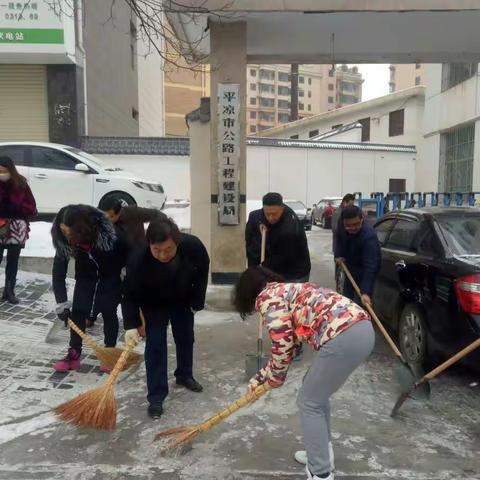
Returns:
(153, 187)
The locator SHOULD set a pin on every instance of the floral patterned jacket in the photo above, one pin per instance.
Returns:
(295, 312)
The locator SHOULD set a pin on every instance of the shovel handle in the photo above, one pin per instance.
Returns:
(372, 313)
(448, 363)
(263, 231)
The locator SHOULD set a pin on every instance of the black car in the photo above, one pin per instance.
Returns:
(428, 288)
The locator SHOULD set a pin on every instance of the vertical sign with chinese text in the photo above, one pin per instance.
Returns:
(229, 153)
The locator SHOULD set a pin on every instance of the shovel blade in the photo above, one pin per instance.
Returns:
(408, 374)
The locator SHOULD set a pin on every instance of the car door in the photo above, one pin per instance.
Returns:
(55, 182)
(380, 299)
(18, 153)
(399, 257)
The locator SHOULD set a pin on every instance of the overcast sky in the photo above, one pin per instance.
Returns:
(376, 81)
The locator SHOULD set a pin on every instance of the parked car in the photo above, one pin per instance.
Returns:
(428, 288)
(59, 175)
(322, 211)
(303, 213)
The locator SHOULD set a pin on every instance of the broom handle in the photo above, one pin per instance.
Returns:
(448, 363)
(260, 320)
(86, 338)
(120, 363)
(234, 407)
(372, 313)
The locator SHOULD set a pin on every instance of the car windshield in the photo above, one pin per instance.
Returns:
(462, 233)
(296, 205)
(86, 155)
(334, 203)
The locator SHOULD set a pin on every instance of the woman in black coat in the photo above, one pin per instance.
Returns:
(86, 234)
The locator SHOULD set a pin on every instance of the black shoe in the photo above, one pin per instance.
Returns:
(190, 384)
(155, 410)
(9, 296)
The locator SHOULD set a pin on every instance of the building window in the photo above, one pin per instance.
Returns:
(267, 116)
(397, 185)
(301, 79)
(253, 86)
(284, 104)
(309, 81)
(330, 99)
(294, 137)
(301, 93)
(253, 114)
(253, 73)
(267, 102)
(365, 129)
(330, 86)
(283, 117)
(347, 99)
(135, 114)
(253, 101)
(334, 127)
(456, 159)
(309, 94)
(313, 133)
(283, 90)
(265, 88)
(417, 80)
(395, 123)
(283, 77)
(253, 128)
(133, 45)
(267, 74)
(301, 106)
(309, 107)
(455, 73)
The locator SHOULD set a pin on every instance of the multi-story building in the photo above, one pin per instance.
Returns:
(70, 73)
(269, 92)
(404, 76)
(349, 86)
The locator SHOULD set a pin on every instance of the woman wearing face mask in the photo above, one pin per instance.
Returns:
(17, 207)
(86, 234)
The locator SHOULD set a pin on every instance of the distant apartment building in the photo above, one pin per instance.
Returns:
(84, 72)
(404, 76)
(320, 89)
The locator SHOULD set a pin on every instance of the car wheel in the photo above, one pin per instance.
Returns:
(125, 198)
(412, 335)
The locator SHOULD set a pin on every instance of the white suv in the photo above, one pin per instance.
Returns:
(59, 175)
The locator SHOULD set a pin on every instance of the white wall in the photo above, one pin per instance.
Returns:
(316, 173)
(173, 172)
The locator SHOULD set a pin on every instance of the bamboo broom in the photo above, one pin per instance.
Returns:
(96, 408)
(181, 436)
(108, 356)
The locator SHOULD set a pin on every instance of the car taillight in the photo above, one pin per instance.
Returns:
(468, 293)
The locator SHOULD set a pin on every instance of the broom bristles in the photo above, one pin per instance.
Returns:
(179, 439)
(173, 431)
(109, 356)
(96, 408)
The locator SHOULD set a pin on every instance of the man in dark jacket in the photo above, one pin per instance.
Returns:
(286, 247)
(359, 248)
(167, 280)
(130, 219)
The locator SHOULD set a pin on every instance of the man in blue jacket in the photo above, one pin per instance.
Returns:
(359, 248)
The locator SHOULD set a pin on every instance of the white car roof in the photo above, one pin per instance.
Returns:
(35, 144)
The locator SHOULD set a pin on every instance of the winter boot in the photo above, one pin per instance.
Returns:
(301, 456)
(9, 293)
(70, 362)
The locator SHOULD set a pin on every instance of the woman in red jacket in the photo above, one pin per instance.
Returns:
(339, 331)
(17, 207)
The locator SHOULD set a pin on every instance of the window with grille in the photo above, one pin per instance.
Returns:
(396, 123)
(313, 133)
(284, 104)
(455, 73)
(283, 77)
(456, 159)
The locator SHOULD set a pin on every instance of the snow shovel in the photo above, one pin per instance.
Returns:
(430, 375)
(406, 373)
(255, 362)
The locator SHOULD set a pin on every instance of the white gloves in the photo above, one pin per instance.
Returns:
(132, 336)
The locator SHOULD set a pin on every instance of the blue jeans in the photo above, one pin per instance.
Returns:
(156, 355)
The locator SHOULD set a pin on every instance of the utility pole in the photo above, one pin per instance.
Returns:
(294, 92)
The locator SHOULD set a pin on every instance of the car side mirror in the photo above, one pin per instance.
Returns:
(81, 167)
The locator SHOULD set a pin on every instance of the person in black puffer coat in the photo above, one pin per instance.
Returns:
(167, 280)
(86, 234)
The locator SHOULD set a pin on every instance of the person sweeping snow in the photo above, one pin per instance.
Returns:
(338, 329)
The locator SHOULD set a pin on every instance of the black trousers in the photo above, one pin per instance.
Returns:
(90, 299)
(11, 269)
(156, 358)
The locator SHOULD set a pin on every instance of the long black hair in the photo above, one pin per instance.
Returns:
(250, 284)
(17, 180)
